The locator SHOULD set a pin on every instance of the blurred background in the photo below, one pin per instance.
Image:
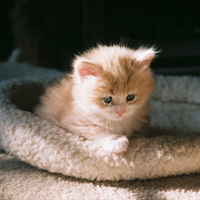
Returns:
(49, 32)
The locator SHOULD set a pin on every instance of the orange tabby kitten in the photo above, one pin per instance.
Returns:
(105, 99)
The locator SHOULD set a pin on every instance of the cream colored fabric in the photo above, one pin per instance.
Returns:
(175, 110)
(20, 181)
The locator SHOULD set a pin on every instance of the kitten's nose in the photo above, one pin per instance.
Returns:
(120, 112)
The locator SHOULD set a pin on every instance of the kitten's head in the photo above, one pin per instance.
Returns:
(113, 81)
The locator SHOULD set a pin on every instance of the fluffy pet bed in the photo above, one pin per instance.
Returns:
(173, 149)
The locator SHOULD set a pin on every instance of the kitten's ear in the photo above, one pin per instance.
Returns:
(84, 69)
(143, 57)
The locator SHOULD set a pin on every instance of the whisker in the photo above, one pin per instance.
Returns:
(106, 125)
(56, 122)
(99, 120)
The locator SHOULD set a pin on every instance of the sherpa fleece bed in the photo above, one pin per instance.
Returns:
(172, 149)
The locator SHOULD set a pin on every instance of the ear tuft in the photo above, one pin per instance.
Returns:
(143, 57)
(85, 69)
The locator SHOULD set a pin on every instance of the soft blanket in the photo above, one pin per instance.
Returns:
(173, 149)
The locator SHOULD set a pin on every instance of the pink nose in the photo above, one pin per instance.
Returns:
(120, 112)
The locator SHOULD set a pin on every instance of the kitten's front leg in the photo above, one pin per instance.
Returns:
(113, 143)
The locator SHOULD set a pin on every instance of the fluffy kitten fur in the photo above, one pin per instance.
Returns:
(78, 104)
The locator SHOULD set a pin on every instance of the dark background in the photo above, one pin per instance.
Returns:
(173, 27)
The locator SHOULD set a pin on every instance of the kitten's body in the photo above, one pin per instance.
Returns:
(80, 102)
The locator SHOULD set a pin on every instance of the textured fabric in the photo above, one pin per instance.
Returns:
(20, 181)
(175, 116)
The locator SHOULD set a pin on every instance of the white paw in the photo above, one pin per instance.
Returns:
(118, 145)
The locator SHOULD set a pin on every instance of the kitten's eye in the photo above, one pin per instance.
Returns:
(130, 97)
(107, 99)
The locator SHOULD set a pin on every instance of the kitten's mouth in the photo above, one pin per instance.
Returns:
(118, 117)
(121, 117)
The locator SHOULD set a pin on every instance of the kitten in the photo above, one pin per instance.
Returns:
(105, 99)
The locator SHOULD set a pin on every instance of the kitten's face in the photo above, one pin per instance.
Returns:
(116, 107)
(114, 86)
(119, 97)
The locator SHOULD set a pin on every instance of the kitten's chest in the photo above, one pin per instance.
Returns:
(124, 127)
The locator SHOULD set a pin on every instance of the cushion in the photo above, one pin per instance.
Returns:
(172, 148)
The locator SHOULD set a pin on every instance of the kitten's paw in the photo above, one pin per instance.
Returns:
(118, 145)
